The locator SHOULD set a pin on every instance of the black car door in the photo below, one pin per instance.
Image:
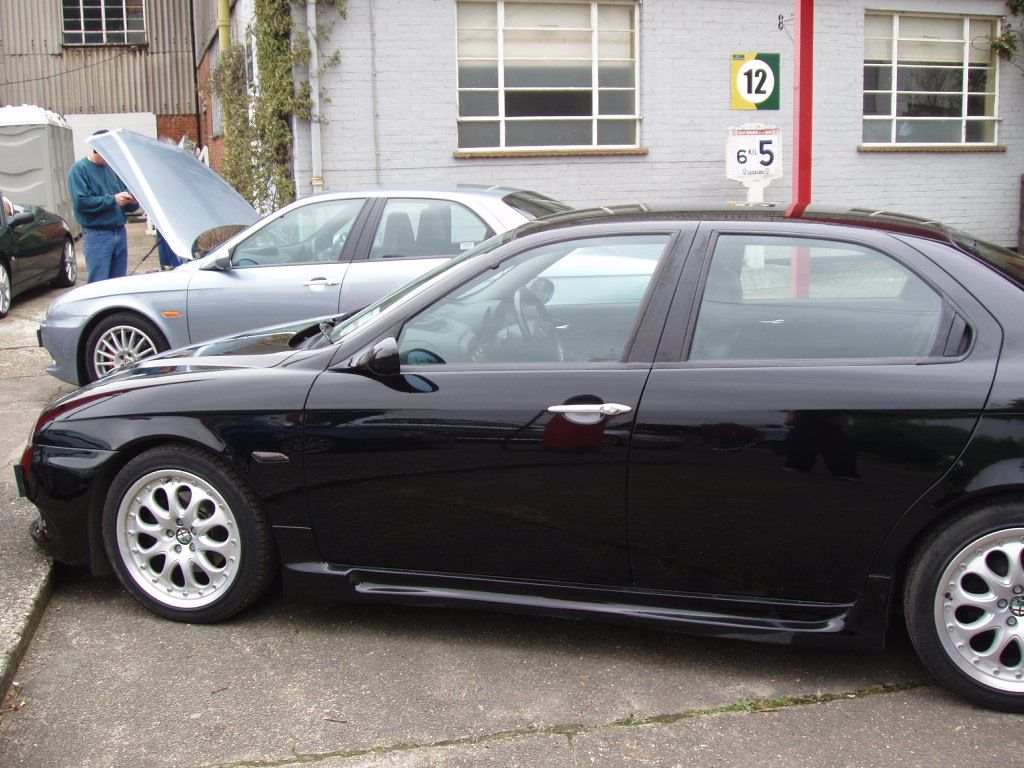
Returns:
(503, 452)
(814, 385)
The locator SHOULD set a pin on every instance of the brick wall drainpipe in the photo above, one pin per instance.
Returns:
(317, 179)
(224, 24)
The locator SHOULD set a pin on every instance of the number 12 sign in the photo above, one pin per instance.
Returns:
(755, 80)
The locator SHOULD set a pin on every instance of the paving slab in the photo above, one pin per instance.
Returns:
(24, 571)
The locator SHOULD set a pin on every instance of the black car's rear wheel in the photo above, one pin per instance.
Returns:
(185, 535)
(964, 603)
(119, 340)
(68, 274)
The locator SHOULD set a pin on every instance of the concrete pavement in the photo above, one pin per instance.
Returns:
(25, 571)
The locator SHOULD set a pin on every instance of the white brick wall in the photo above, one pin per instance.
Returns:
(685, 50)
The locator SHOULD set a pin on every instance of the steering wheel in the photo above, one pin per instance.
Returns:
(545, 334)
(244, 261)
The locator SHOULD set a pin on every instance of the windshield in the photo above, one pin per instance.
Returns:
(1002, 259)
(363, 317)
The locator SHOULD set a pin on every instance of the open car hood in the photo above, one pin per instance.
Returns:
(182, 196)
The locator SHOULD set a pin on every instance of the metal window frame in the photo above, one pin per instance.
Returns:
(964, 66)
(105, 31)
(502, 89)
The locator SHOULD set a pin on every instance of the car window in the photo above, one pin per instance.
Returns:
(417, 227)
(314, 232)
(780, 298)
(576, 301)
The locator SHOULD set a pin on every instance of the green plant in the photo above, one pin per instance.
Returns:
(258, 140)
(1006, 44)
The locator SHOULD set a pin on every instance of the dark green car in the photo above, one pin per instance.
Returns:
(36, 247)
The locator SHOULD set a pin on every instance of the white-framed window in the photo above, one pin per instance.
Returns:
(930, 79)
(547, 75)
(104, 22)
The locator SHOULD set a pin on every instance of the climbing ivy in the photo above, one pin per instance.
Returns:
(258, 141)
(1006, 45)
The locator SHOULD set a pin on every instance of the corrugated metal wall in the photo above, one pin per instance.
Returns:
(36, 69)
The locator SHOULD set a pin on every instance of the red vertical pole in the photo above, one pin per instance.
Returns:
(803, 107)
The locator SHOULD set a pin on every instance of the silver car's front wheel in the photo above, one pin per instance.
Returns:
(185, 535)
(119, 340)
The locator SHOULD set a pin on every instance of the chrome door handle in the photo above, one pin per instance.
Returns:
(771, 322)
(318, 282)
(602, 409)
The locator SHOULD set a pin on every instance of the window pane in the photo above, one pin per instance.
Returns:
(618, 17)
(981, 132)
(877, 103)
(478, 103)
(927, 131)
(568, 15)
(547, 44)
(548, 133)
(929, 79)
(981, 80)
(615, 45)
(548, 103)
(315, 232)
(616, 74)
(877, 131)
(929, 52)
(978, 52)
(478, 74)
(579, 300)
(877, 26)
(484, 134)
(878, 50)
(415, 227)
(931, 27)
(477, 15)
(928, 105)
(547, 74)
(877, 78)
(616, 102)
(616, 132)
(981, 106)
(477, 44)
(855, 303)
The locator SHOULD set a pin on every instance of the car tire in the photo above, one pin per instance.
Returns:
(185, 535)
(119, 340)
(6, 290)
(67, 275)
(964, 605)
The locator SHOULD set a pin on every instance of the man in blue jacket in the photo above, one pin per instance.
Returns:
(101, 202)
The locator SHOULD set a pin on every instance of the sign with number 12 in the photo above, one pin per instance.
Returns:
(755, 80)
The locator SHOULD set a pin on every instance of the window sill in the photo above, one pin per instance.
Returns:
(941, 148)
(468, 154)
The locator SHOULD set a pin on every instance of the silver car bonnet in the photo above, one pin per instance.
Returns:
(182, 196)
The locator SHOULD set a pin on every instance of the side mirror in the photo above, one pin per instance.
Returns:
(379, 360)
(221, 264)
(25, 217)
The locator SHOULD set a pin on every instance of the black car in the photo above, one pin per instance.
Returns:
(789, 426)
(36, 248)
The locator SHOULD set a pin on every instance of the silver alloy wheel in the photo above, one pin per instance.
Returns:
(5, 291)
(979, 610)
(119, 346)
(70, 262)
(178, 539)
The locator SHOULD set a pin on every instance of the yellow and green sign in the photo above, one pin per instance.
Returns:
(755, 80)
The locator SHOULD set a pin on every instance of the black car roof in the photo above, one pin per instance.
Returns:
(667, 211)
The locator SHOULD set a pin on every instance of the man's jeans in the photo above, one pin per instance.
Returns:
(106, 252)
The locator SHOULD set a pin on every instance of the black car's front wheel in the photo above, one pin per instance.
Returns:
(5, 290)
(185, 535)
(964, 604)
(118, 340)
(68, 273)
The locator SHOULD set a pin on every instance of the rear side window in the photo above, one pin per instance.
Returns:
(780, 298)
(424, 228)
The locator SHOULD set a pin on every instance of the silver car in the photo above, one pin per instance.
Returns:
(327, 254)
